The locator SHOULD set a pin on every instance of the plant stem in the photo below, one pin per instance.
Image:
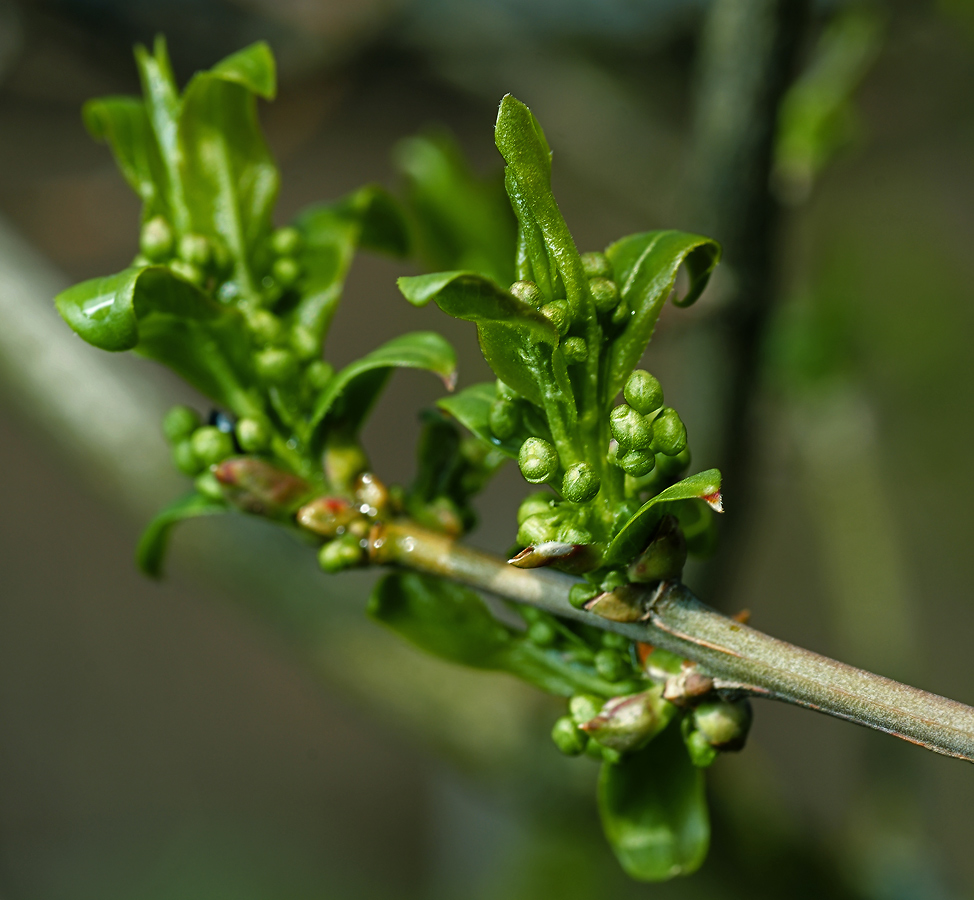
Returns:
(738, 658)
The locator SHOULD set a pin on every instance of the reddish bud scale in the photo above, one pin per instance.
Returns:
(257, 487)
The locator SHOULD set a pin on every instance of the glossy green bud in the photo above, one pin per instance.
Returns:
(179, 423)
(538, 460)
(538, 529)
(534, 504)
(189, 272)
(575, 349)
(265, 326)
(643, 392)
(253, 435)
(610, 664)
(615, 641)
(541, 633)
(724, 724)
(276, 365)
(504, 419)
(318, 374)
(701, 753)
(156, 239)
(211, 445)
(568, 737)
(638, 462)
(596, 265)
(614, 579)
(584, 707)
(185, 459)
(304, 343)
(286, 241)
(581, 483)
(342, 553)
(558, 314)
(527, 292)
(195, 249)
(286, 271)
(630, 429)
(572, 533)
(208, 485)
(669, 433)
(581, 593)
(605, 294)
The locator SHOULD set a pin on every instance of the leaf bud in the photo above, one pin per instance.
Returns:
(179, 423)
(643, 392)
(533, 504)
(286, 241)
(582, 593)
(584, 707)
(575, 349)
(724, 724)
(504, 419)
(638, 462)
(286, 271)
(264, 325)
(669, 432)
(188, 272)
(318, 374)
(581, 483)
(195, 249)
(211, 445)
(558, 314)
(630, 429)
(527, 292)
(304, 343)
(665, 556)
(541, 633)
(328, 516)
(605, 294)
(538, 460)
(185, 459)
(596, 265)
(342, 553)
(276, 365)
(253, 435)
(568, 737)
(610, 664)
(156, 239)
(627, 723)
(256, 486)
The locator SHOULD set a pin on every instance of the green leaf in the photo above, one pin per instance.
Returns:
(645, 269)
(634, 535)
(155, 539)
(471, 408)
(161, 316)
(654, 810)
(348, 397)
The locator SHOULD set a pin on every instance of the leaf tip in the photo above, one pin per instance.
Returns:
(715, 501)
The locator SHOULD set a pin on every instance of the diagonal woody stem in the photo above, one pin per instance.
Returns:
(738, 658)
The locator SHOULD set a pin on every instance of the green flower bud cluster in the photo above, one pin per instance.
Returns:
(644, 430)
(716, 726)
(196, 258)
(605, 292)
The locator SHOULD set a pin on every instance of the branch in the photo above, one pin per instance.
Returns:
(738, 658)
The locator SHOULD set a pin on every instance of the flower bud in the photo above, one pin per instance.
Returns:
(304, 343)
(156, 239)
(581, 483)
(253, 435)
(286, 241)
(286, 271)
(669, 432)
(630, 429)
(318, 374)
(195, 249)
(605, 294)
(538, 460)
(371, 493)
(541, 633)
(582, 593)
(568, 737)
(185, 459)
(540, 502)
(504, 419)
(328, 516)
(643, 392)
(621, 313)
(700, 752)
(211, 445)
(610, 664)
(558, 314)
(527, 292)
(614, 579)
(575, 349)
(596, 265)
(188, 272)
(573, 533)
(584, 707)
(539, 528)
(724, 724)
(179, 423)
(627, 723)
(342, 553)
(638, 462)
(264, 325)
(207, 485)
(276, 365)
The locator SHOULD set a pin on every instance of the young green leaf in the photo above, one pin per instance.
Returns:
(654, 810)
(151, 551)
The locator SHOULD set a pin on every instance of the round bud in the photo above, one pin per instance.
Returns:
(156, 239)
(504, 419)
(541, 633)
(669, 432)
(208, 485)
(195, 249)
(614, 579)
(568, 737)
(534, 504)
(253, 435)
(140, 261)
(304, 343)
(558, 314)
(581, 593)
(723, 724)
(537, 529)
(318, 374)
(211, 445)
(605, 294)
(629, 428)
(701, 753)
(581, 483)
(638, 462)
(574, 534)
(342, 553)
(610, 664)
(265, 326)
(596, 265)
(286, 241)
(276, 365)
(575, 349)
(538, 460)
(621, 313)
(643, 392)
(179, 423)
(615, 641)
(187, 271)
(184, 458)
(584, 707)
(286, 271)
(527, 292)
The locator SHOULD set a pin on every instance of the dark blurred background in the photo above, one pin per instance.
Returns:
(240, 730)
